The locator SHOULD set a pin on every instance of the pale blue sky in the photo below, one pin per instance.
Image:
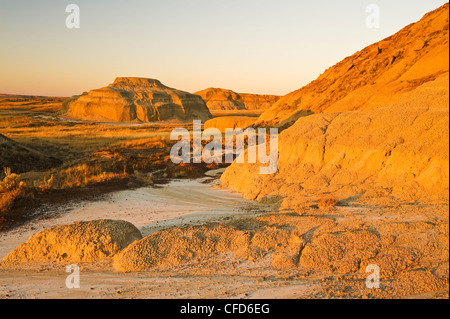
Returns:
(254, 46)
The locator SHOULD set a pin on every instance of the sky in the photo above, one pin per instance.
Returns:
(249, 46)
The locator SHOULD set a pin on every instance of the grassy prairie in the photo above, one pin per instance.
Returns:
(83, 155)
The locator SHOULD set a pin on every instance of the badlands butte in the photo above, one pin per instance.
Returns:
(363, 179)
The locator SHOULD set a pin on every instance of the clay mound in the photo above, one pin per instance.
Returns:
(231, 122)
(401, 149)
(221, 99)
(79, 242)
(20, 158)
(177, 246)
(251, 239)
(374, 76)
(137, 99)
(341, 252)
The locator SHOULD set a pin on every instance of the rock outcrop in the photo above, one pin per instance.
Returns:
(221, 99)
(79, 242)
(138, 100)
(381, 128)
(379, 74)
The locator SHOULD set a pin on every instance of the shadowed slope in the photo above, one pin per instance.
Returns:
(20, 158)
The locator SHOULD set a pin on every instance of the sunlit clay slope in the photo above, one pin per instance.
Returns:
(381, 128)
(374, 76)
(221, 99)
(139, 100)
